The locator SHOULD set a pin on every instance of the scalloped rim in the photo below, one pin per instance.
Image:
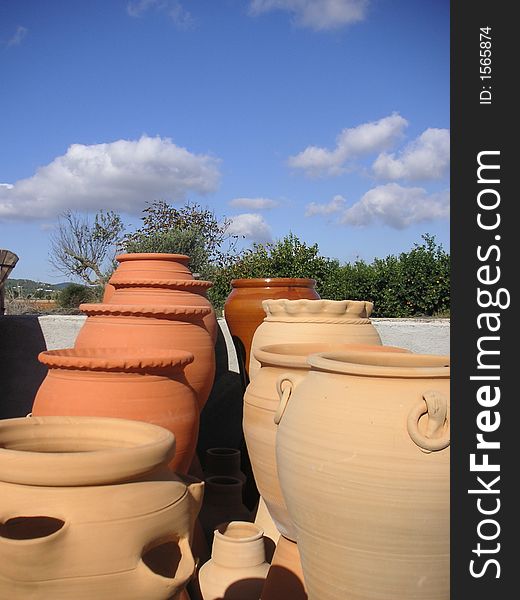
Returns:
(360, 309)
(144, 310)
(178, 283)
(115, 359)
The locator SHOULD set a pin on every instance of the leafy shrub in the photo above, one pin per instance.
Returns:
(75, 294)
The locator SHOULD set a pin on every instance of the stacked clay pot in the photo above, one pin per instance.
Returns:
(243, 309)
(131, 383)
(301, 321)
(89, 510)
(156, 304)
(363, 462)
(238, 566)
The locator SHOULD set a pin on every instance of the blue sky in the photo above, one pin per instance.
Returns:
(327, 118)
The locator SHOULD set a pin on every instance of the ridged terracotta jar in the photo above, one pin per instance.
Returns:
(243, 309)
(89, 510)
(301, 321)
(261, 402)
(154, 327)
(159, 279)
(363, 462)
(238, 567)
(128, 383)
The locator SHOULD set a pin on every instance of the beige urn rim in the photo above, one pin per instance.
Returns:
(382, 364)
(305, 308)
(71, 451)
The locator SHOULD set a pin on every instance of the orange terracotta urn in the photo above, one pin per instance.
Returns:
(363, 462)
(301, 321)
(243, 310)
(261, 402)
(238, 567)
(89, 510)
(159, 279)
(130, 383)
(152, 327)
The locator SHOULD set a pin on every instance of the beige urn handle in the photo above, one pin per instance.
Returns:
(284, 386)
(437, 436)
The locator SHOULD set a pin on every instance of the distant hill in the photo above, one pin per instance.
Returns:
(28, 287)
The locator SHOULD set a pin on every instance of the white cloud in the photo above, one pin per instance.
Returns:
(397, 207)
(350, 144)
(173, 8)
(18, 36)
(426, 158)
(337, 204)
(252, 226)
(316, 14)
(120, 175)
(253, 203)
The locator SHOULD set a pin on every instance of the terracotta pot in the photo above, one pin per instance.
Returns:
(302, 321)
(223, 461)
(238, 567)
(159, 279)
(154, 327)
(285, 577)
(123, 382)
(222, 503)
(243, 309)
(261, 402)
(363, 462)
(90, 511)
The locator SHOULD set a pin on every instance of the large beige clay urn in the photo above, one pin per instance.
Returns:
(363, 462)
(89, 511)
(305, 321)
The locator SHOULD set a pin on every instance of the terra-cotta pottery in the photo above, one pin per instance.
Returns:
(243, 309)
(89, 510)
(238, 567)
(129, 383)
(223, 461)
(261, 402)
(285, 578)
(159, 278)
(301, 321)
(363, 462)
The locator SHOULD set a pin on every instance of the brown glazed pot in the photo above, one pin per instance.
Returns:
(303, 321)
(151, 328)
(130, 383)
(223, 461)
(159, 279)
(243, 309)
(261, 402)
(238, 567)
(89, 510)
(363, 462)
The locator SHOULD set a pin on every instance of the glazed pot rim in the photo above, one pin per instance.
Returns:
(115, 359)
(295, 355)
(273, 282)
(75, 451)
(382, 364)
(127, 256)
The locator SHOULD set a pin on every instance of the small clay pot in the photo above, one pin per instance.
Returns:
(238, 567)
(223, 461)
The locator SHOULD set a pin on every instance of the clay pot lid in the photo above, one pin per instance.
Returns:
(183, 258)
(294, 355)
(72, 451)
(124, 281)
(273, 282)
(382, 364)
(145, 310)
(304, 308)
(115, 359)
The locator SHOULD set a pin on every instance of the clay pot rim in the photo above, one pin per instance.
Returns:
(127, 256)
(144, 310)
(176, 283)
(115, 359)
(385, 364)
(297, 354)
(222, 451)
(142, 447)
(303, 307)
(218, 533)
(262, 282)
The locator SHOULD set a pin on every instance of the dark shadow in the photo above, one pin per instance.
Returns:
(30, 528)
(163, 558)
(282, 584)
(244, 588)
(21, 374)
